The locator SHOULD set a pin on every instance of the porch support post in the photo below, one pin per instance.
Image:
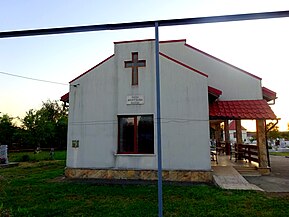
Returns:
(239, 139)
(218, 133)
(227, 137)
(262, 150)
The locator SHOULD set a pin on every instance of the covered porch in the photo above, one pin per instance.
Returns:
(239, 153)
(244, 167)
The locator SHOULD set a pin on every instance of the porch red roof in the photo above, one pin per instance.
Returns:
(241, 109)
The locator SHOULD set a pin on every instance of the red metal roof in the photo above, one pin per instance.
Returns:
(196, 49)
(241, 109)
(268, 94)
(182, 64)
(92, 68)
(232, 126)
(222, 61)
(65, 97)
(133, 41)
(214, 91)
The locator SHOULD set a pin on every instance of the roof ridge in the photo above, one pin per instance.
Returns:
(216, 58)
(183, 64)
(92, 68)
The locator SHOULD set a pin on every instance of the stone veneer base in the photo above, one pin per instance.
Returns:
(264, 170)
(130, 174)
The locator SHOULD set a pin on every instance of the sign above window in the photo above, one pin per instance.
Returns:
(135, 100)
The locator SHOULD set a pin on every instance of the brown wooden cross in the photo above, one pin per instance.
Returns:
(134, 64)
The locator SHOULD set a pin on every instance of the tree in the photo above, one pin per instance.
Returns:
(284, 135)
(61, 131)
(46, 127)
(7, 130)
(30, 125)
(274, 132)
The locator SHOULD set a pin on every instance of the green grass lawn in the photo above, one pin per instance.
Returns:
(280, 153)
(35, 189)
(31, 157)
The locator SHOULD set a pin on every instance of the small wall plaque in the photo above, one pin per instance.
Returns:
(135, 100)
(75, 143)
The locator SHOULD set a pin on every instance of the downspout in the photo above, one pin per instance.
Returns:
(272, 103)
(266, 131)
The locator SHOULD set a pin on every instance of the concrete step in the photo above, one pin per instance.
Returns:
(228, 177)
(248, 171)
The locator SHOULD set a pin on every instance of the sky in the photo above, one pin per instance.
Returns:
(259, 47)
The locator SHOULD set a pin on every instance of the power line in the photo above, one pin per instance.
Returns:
(34, 79)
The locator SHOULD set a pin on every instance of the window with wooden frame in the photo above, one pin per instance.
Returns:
(136, 134)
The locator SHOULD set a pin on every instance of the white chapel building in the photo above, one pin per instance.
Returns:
(112, 131)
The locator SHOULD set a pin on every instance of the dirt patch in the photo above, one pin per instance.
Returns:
(284, 195)
(58, 179)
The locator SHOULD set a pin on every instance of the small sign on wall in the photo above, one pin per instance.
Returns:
(75, 143)
(135, 100)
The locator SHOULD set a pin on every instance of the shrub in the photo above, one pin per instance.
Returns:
(2, 160)
(25, 158)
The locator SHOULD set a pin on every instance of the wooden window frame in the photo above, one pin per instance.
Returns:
(135, 139)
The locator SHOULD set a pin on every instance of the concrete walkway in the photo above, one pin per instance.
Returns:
(13, 164)
(227, 177)
(278, 180)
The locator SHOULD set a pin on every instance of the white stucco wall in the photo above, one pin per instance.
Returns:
(145, 88)
(92, 119)
(235, 84)
(98, 97)
(185, 126)
(96, 101)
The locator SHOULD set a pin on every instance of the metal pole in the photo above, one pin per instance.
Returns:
(158, 97)
(145, 24)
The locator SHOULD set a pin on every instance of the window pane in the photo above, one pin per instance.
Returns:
(145, 134)
(126, 134)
